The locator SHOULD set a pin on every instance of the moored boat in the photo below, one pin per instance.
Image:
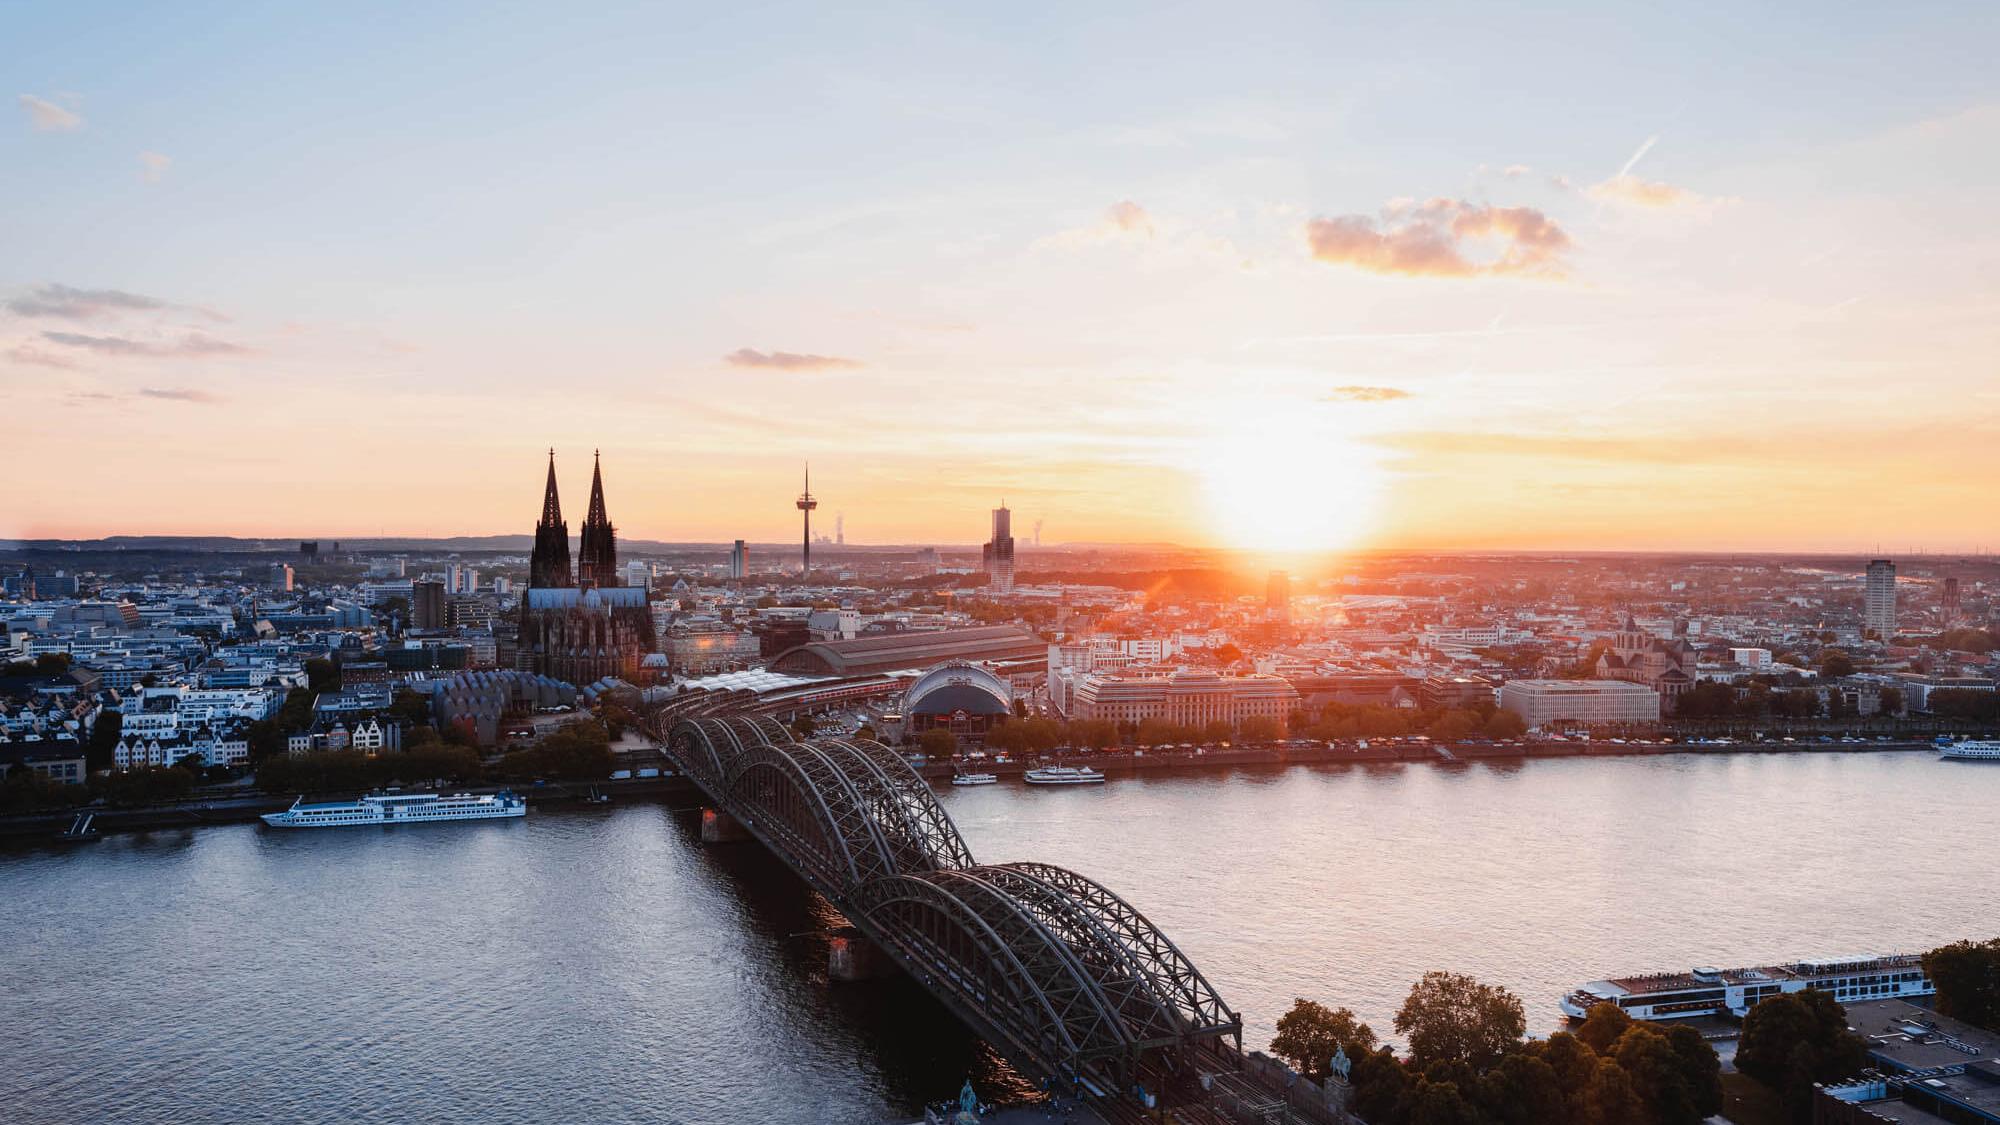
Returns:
(975, 779)
(1971, 750)
(400, 808)
(1063, 775)
(1714, 992)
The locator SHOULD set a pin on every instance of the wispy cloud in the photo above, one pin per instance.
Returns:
(178, 394)
(1431, 239)
(788, 361)
(69, 303)
(153, 166)
(48, 117)
(1635, 190)
(30, 354)
(1366, 394)
(1130, 218)
(1125, 220)
(192, 346)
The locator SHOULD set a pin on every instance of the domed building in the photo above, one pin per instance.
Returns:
(965, 699)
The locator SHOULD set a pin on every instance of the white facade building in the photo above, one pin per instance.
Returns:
(1587, 703)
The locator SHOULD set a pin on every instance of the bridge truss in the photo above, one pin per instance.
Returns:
(1063, 976)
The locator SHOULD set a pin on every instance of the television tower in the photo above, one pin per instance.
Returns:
(806, 505)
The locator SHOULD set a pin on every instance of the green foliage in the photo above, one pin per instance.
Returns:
(1452, 1017)
(295, 714)
(348, 771)
(1795, 1039)
(1311, 1032)
(1967, 975)
(146, 786)
(576, 751)
(29, 790)
(937, 743)
(101, 748)
(322, 674)
(1964, 703)
(1603, 1025)
(1833, 664)
(803, 726)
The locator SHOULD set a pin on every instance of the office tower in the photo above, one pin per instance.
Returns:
(427, 604)
(1278, 597)
(1880, 615)
(471, 581)
(806, 505)
(1948, 603)
(998, 554)
(739, 561)
(840, 529)
(281, 577)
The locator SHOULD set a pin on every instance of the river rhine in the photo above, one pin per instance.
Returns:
(601, 965)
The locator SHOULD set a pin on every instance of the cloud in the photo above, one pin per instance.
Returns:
(192, 346)
(178, 394)
(1366, 394)
(1628, 188)
(1430, 239)
(1128, 217)
(48, 117)
(29, 353)
(69, 303)
(787, 361)
(153, 166)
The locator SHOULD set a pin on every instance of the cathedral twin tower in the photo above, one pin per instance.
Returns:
(581, 626)
(597, 556)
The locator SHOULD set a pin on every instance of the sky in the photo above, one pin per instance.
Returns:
(1313, 276)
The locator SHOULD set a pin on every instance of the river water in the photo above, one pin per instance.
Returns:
(602, 965)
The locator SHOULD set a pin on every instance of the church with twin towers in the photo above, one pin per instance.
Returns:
(579, 623)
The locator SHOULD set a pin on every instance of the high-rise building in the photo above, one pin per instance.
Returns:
(1880, 613)
(281, 577)
(739, 560)
(1278, 597)
(840, 529)
(1948, 602)
(806, 504)
(427, 604)
(998, 554)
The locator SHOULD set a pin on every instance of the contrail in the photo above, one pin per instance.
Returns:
(1637, 156)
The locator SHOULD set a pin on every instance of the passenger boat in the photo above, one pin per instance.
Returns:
(1063, 775)
(400, 808)
(975, 779)
(1971, 750)
(1714, 992)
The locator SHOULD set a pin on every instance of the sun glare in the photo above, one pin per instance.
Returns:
(1281, 479)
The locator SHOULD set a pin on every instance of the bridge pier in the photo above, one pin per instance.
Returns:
(718, 827)
(851, 957)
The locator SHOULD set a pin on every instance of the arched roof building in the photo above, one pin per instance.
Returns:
(890, 652)
(960, 697)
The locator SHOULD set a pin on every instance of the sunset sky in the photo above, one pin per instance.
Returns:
(1296, 276)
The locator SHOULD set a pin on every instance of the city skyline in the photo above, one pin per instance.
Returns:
(1286, 296)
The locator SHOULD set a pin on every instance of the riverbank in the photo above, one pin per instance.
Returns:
(1389, 751)
(218, 809)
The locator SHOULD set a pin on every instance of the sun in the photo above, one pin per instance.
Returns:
(1283, 478)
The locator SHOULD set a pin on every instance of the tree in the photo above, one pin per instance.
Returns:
(1451, 1016)
(1795, 1039)
(1259, 728)
(1441, 1103)
(322, 674)
(1833, 664)
(1381, 1083)
(937, 742)
(1522, 1090)
(1967, 975)
(1670, 1082)
(103, 745)
(1603, 1025)
(1311, 1032)
(803, 726)
(1891, 701)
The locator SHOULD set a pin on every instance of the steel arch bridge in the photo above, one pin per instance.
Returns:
(1059, 973)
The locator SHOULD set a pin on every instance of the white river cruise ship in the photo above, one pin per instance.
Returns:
(1710, 992)
(400, 808)
(1970, 750)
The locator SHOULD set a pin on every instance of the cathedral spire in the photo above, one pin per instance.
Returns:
(551, 503)
(597, 555)
(549, 564)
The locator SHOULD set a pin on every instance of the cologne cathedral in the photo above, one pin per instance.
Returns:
(580, 625)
